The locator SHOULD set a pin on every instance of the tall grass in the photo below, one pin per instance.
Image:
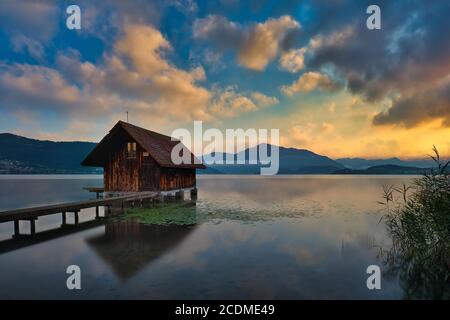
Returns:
(418, 220)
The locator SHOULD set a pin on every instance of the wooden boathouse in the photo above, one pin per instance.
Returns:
(136, 160)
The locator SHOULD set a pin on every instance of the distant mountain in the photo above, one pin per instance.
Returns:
(20, 155)
(292, 161)
(360, 163)
(385, 169)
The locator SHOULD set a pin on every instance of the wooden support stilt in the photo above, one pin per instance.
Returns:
(64, 218)
(107, 210)
(179, 195)
(16, 228)
(97, 215)
(76, 217)
(194, 194)
(32, 226)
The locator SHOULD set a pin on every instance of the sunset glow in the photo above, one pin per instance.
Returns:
(310, 68)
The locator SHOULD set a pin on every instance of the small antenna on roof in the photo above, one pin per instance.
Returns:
(127, 116)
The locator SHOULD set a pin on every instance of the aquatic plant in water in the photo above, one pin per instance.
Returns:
(418, 220)
(183, 213)
(216, 211)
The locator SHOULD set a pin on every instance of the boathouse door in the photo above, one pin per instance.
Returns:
(149, 175)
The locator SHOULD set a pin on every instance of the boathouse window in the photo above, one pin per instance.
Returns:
(131, 150)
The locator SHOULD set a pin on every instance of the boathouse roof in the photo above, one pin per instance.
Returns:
(159, 147)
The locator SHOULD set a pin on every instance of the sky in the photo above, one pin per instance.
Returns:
(310, 68)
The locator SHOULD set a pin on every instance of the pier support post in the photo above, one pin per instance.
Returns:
(16, 228)
(179, 195)
(64, 218)
(32, 226)
(96, 213)
(76, 217)
(107, 210)
(194, 194)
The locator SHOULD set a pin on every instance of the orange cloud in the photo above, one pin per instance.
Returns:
(256, 45)
(310, 81)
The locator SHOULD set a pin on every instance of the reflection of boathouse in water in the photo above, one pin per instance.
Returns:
(128, 246)
(135, 160)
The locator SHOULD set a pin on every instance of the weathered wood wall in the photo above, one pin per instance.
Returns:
(174, 178)
(121, 173)
(150, 172)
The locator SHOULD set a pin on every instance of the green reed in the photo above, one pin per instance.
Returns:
(418, 220)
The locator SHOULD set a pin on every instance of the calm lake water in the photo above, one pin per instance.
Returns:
(289, 237)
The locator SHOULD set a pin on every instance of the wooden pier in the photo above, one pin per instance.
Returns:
(31, 214)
